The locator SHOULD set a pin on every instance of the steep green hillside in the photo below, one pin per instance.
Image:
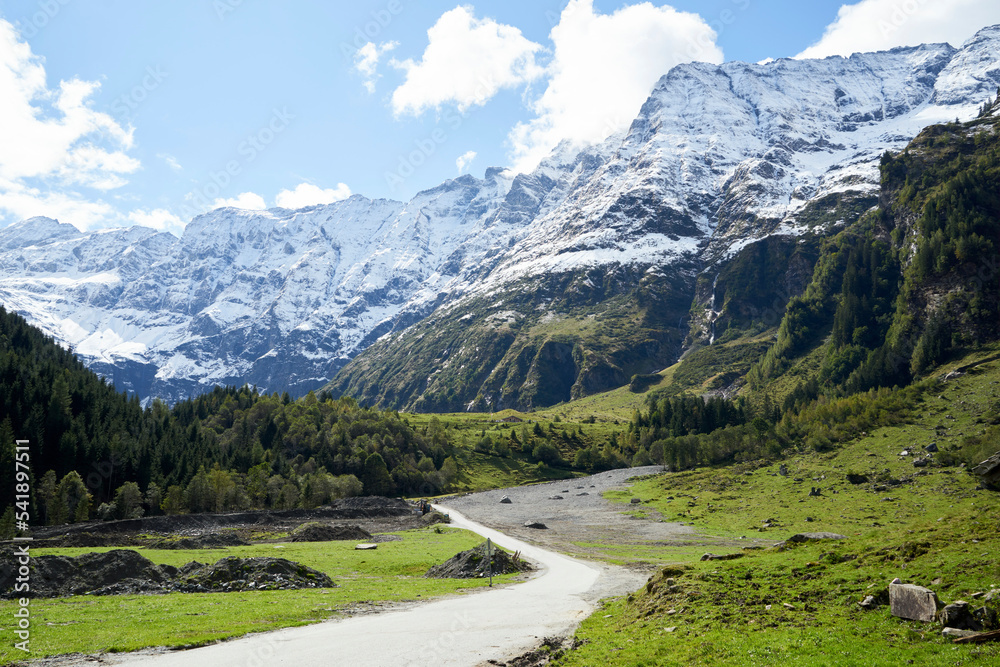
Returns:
(544, 341)
(919, 515)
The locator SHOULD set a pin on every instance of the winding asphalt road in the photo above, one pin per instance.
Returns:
(462, 631)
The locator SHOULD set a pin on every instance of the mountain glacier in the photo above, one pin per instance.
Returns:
(718, 158)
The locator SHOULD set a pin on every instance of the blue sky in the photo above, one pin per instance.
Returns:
(122, 112)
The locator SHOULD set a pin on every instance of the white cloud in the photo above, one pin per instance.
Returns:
(366, 61)
(171, 161)
(249, 201)
(20, 201)
(603, 68)
(52, 140)
(464, 160)
(877, 25)
(159, 218)
(467, 61)
(307, 194)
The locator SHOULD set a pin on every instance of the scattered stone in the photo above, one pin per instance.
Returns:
(583, 494)
(473, 563)
(868, 603)
(315, 531)
(855, 478)
(955, 633)
(957, 615)
(922, 462)
(366, 546)
(535, 524)
(986, 618)
(989, 470)
(812, 537)
(672, 628)
(788, 606)
(722, 556)
(636, 501)
(783, 470)
(905, 452)
(506, 500)
(555, 497)
(912, 602)
(931, 447)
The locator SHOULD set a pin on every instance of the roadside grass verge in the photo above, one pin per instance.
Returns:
(392, 573)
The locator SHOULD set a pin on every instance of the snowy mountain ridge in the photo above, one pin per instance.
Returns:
(718, 157)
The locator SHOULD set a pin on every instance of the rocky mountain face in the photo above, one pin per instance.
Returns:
(511, 290)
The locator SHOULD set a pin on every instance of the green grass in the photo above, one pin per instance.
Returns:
(935, 529)
(392, 573)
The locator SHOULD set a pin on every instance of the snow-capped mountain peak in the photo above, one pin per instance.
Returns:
(718, 156)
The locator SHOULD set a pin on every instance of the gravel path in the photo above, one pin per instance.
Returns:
(581, 515)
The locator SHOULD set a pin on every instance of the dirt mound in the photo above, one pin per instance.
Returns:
(324, 532)
(473, 563)
(210, 541)
(89, 540)
(123, 571)
(55, 576)
(261, 573)
(434, 517)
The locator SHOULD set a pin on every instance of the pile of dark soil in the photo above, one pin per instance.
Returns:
(473, 563)
(548, 652)
(126, 572)
(261, 573)
(210, 541)
(315, 531)
(54, 576)
(434, 517)
(89, 540)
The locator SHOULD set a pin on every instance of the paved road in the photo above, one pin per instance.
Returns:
(460, 631)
